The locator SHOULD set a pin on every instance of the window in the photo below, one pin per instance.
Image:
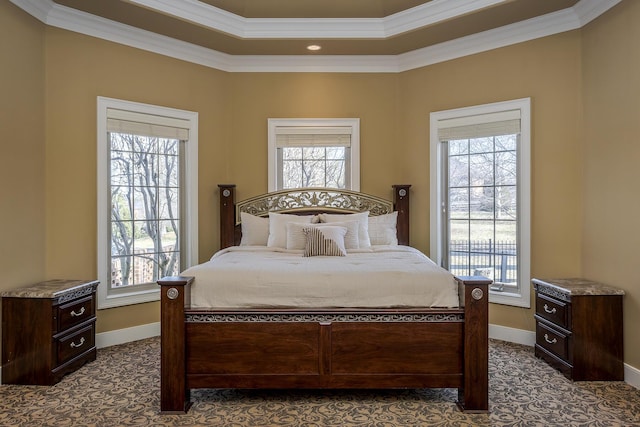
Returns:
(147, 198)
(480, 195)
(314, 153)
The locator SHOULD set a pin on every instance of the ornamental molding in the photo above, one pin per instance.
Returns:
(77, 293)
(348, 317)
(313, 200)
(553, 291)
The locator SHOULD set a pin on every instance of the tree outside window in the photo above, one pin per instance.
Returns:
(145, 213)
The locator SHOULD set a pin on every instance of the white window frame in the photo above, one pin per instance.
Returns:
(523, 297)
(272, 157)
(109, 300)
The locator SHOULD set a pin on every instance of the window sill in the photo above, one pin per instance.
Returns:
(124, 299)
(511, 298)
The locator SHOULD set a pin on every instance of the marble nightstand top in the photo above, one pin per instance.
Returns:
(52, 289)
(576, 287)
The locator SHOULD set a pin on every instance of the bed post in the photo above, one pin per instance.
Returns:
(401, 204)
(174, 392)
(474, 396)
(227, 215)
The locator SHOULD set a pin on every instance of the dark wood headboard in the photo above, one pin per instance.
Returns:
(309, 201)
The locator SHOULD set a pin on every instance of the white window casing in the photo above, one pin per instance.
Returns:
(119, 116)
(314, 133)
(500, 118)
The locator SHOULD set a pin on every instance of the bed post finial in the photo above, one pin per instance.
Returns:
(401, 204)
(227, 214)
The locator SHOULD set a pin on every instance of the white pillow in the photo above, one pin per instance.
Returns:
(363, 221)
(255, 230)
(383, 230)
(327, 240)
(296, 237)
(278, 227)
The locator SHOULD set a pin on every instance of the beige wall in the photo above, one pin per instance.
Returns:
(611, 64)
(81, 68)
(370, 97)
(22, 121)
(548, 71)
(567, 179)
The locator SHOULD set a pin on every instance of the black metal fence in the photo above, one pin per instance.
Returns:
(497, 260)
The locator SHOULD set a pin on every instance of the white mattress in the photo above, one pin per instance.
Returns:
(261, 277)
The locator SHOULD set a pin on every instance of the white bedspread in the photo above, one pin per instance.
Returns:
(261, 277)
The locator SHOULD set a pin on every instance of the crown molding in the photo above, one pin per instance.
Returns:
(217, 19)
(94, 26)
(199, 13)
(36, 8)
(531, 29)
(74, 20)
(309, 28)
(315, 64)
(431, 13)
(588, 10)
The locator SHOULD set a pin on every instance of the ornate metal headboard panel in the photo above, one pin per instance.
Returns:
(313, 200)
(309, 200)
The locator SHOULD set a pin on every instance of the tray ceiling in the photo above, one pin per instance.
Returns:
(340, 27)
(354, 35)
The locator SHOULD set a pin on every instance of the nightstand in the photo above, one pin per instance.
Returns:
(579, 328)
(48, 330)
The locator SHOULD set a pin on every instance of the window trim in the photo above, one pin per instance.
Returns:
(523, 297)
(272, 157)
(109, 300)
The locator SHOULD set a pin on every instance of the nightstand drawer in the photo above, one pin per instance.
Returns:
(554, 341)
(69, 346)
(75, 312)
(553, 310)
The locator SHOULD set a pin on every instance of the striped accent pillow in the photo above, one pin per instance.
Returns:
(328, 241)
(297, 239)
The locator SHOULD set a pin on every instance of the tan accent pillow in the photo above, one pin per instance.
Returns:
(278, 227)
(363, 221)
(255, 230)
(383, 229)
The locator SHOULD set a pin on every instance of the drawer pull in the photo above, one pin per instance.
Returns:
(81, 312)
(553, 341)
(548, 310)
(74, 345)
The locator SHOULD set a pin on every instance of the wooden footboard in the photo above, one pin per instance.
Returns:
(350, 348)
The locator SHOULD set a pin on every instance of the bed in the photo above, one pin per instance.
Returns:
(224, 342)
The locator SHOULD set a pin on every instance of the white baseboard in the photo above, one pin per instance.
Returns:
(518, 336)
(121, 336)
(632, 376)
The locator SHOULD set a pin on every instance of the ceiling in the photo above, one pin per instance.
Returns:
(232, 31)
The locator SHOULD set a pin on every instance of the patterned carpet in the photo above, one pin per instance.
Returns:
(121, 388)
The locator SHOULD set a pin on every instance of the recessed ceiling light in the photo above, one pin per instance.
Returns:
(314, 47)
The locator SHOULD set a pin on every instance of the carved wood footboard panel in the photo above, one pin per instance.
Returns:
(414, 348)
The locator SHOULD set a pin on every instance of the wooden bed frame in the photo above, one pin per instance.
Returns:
(323, 348)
